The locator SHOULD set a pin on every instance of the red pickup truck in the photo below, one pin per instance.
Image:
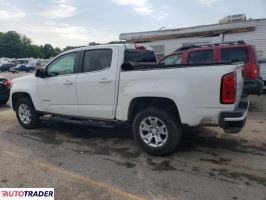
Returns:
(221, 52)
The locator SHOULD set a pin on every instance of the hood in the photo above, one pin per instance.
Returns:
(24, 78)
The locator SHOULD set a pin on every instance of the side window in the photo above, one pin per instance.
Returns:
(95, 60)
(235, 55)
(202, 56)
(172, 60)
(63, 65)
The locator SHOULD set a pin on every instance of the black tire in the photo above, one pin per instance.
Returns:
(34, 121)
(172, 124)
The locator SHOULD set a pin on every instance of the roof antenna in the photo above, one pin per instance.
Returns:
(162, 28)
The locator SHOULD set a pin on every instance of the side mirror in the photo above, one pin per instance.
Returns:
(40, 73)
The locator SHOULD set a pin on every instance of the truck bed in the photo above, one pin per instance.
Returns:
(194, 88)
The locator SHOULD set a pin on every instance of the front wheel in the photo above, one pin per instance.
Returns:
(157, 131)
(26, 114)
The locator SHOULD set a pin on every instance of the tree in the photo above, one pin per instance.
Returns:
(15, 45)
(71, 47)
(47, 51)
(117, 42)
(93, 43)
(11, 45)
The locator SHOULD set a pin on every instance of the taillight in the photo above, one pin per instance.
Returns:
(254, 70)
(7, 83)
(229, 88)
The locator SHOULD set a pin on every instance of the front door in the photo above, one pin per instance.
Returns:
(58, 90)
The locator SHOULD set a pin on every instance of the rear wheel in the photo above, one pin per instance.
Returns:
(26, 114)
(157, 131)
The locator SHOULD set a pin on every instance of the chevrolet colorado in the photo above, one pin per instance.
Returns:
(108, 83)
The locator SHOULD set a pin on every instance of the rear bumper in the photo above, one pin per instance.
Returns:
(253, 86)
(233, 122)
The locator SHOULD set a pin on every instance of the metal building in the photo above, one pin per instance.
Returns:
(230, 28)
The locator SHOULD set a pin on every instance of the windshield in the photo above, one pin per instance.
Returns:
(172, 60)
(135, 55)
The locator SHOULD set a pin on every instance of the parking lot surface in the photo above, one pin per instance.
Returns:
(85, 162)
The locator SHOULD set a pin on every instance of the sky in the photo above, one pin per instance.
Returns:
(79, 22)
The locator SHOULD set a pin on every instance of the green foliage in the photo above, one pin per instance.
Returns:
(71, 47)
(15, 45)
(94, 43)
(117, 42)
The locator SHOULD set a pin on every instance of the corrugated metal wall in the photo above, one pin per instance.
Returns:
(257, 38)
(172, 45)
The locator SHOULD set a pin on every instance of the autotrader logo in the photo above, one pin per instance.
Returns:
(26, 193)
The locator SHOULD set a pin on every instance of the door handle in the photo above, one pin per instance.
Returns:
(105, 80)
(68, 83)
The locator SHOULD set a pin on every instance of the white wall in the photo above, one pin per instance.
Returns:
(172, 45)
(257, 38)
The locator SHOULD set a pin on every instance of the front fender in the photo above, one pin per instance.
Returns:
(28, 85)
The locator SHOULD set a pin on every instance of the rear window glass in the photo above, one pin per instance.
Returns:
(135, 55)
(172, 60)
(203, 56)
(235, 55)
(95, 60)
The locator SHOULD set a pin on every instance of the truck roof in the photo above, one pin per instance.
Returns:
(126, 46)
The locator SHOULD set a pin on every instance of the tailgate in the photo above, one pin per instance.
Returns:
(240, 82)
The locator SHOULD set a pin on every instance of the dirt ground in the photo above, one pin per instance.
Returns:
(86, 162)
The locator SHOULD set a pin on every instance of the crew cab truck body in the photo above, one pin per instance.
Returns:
(99, 83)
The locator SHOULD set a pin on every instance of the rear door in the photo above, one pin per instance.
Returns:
(96, 84)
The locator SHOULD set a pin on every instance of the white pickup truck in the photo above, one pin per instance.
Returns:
(101, 83)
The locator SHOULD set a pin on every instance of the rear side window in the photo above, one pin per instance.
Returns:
(136, 55)
(235, 55)
(202, 56)
(95, 60)
(172, 60)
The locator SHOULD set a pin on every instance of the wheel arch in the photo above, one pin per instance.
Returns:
(18, 95)
(139, 103)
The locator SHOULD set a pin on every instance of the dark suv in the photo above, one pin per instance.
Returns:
(218, 53)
